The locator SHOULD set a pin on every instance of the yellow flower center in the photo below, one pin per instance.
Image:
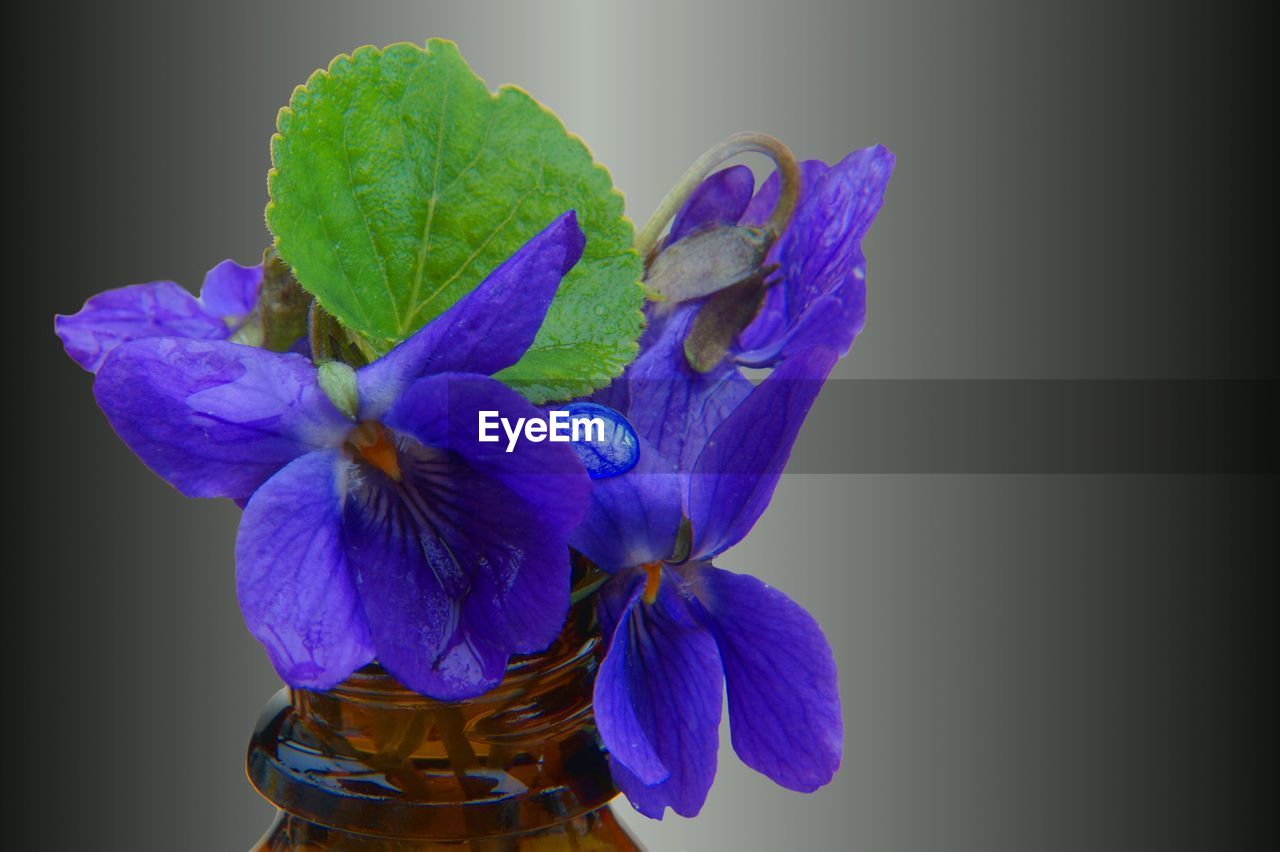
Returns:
(653, 582)
(375, 445)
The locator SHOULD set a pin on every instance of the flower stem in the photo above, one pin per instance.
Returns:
(451, 726)
(320, 333)
(739, 143)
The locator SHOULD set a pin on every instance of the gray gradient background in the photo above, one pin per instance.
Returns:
(1042, 661)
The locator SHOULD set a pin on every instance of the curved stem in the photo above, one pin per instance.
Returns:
(739, 143)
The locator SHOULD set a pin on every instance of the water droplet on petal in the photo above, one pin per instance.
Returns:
(603, 439)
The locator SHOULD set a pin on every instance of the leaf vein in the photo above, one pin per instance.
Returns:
(364, 218)
(424, 247)
(515, 210)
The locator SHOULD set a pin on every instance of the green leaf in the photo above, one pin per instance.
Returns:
(400, 181)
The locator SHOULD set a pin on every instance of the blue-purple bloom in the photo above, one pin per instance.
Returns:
(376, 524)
(679, 628)
(819, 297)
(713, 446)
(160, 309)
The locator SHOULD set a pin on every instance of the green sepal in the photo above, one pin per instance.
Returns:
(338, 381)
(706, 262)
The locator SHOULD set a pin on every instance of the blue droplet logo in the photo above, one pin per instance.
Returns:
(603, 439)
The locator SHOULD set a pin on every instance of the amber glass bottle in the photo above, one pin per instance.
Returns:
(370, 765)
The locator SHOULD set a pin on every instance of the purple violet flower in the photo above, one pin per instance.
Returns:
(819, 297)
(678, 628)
(160, 309)
(377, 525)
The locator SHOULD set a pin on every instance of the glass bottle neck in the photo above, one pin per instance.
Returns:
(371, 757)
